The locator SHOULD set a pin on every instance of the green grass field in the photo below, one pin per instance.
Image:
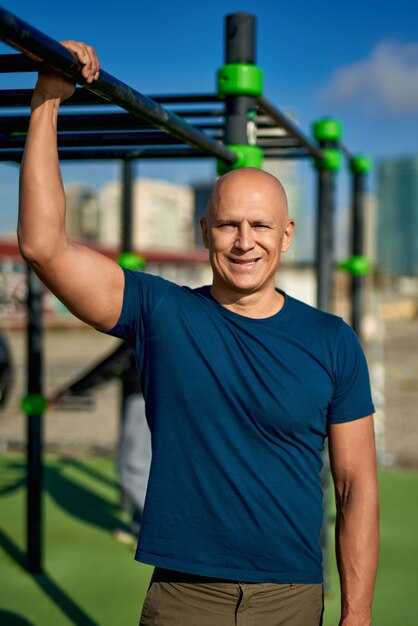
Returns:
(92, 580)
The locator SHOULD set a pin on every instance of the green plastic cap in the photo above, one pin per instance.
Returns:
(248, 156)
(360, 164)
(34, 404)
(327, 129)
(331, 160)
(131, 261)
(239, 79)
(357, 265)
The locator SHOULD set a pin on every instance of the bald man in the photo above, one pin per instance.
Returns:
(243, 384)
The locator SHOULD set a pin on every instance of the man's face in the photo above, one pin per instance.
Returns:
(246, 230)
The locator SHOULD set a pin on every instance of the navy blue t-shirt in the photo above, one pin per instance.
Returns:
(238, 410)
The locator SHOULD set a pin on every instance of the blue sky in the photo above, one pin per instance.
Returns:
(357, 61)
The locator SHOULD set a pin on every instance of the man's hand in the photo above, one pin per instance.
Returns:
(52, 86)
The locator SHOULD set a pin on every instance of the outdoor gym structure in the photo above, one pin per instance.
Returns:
(238, 126)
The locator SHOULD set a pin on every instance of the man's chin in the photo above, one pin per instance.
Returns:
(242, 287)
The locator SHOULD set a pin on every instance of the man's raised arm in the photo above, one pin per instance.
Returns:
(88, 283)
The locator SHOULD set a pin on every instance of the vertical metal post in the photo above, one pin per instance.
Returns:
(324, 297)
(127, 204)
(239, 48)
(325, 240)
(34, 424)
(324, 266)
(327, 132)
(357, 250)
(127, 246)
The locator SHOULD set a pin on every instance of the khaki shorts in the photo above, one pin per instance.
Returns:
(175, 599)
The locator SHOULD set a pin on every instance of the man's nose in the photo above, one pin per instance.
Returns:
(245, 239)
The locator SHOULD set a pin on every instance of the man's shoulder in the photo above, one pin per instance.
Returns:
(311, 314)
(156, 289)
(319, 327)
(161, 282)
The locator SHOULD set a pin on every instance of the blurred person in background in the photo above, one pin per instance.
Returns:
(6, 370)
(133, 455)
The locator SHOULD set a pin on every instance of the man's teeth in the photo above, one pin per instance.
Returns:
(244, 262)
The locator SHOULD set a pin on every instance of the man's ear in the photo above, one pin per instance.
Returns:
(288, 235)
(205, 231)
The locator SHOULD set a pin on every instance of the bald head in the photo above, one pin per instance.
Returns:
(246, 229)
(248, 182)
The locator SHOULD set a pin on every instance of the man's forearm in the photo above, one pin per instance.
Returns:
(42, 204)
(357, 546)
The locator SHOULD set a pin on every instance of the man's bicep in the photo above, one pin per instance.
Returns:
(89, 284)
(352, 451)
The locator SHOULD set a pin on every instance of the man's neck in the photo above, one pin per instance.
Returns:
(258, 305)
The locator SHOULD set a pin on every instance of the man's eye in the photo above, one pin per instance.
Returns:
(261, 226)
(226, 226)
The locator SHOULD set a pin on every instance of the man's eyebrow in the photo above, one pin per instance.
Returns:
(222, 220)
(232, 220)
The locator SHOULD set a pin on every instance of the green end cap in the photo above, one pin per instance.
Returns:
(248, 156)
(356, 265)
(131, 261)
(327, 129)
(34, 404)
(331, 160)
(239, 79)
(360, 164)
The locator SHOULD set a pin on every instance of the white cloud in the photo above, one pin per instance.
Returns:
(387, 80)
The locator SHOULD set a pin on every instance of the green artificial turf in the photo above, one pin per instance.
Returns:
(90, 579)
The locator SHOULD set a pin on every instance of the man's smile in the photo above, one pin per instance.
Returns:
(243, 262)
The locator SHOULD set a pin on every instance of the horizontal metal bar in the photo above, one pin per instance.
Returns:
(11, 63)
(40, 47)
(22, 97)
(299, 153)
(281, 119)
(89, 122)
(91, 139)
(125, 121)
(277, 142)
(108, 154)
(81, 97)
(134, 138)
(166, 152)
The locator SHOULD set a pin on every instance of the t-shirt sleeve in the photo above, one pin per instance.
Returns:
(142, 295)
(352, 397)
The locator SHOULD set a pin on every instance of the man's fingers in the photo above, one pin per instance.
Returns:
(94, 64)
(87, 57)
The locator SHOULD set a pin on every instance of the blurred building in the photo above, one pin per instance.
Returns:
(397, 216)
(81, 216)
(163, 215)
